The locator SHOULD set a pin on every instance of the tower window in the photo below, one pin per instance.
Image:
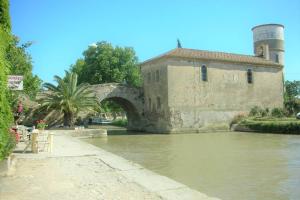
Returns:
(204, 73)
(249, 76)
(277, 58)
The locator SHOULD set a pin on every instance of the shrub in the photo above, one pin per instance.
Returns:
(237, 118)
(259, 112)
(292, 106)
(120, 122)
(41, 124)
(7, 141)
(254, 111)
(277, 112)
(284, 127)
(264, 112)
(7, 144)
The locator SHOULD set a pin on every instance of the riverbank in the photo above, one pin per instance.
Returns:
(77, 170)
(268, 125)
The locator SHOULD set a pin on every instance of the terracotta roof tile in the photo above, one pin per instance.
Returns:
(213, 55)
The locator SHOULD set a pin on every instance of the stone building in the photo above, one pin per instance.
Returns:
(189, 90)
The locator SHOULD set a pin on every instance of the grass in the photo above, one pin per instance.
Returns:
(272, 125)
(120, 122)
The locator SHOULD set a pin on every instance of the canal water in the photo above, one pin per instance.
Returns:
(231, 166)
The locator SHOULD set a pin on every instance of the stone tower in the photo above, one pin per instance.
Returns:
(269, 42)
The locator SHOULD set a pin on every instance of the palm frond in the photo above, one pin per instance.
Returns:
(67, 97)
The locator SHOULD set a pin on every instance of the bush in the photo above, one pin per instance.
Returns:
(254, 111)
(264, 112)
(284, 127)
(41, 124)
(277, 112)
(259, 112)
(120, 122)
(292, 106)
(7, 142)
(237, 118)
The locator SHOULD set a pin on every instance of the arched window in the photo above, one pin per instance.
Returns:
(249, 76)
(204, 73)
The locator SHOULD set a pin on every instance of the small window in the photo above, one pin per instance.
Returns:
(149, 101)
(153, 76)
(158, 103)
(249, 76)
(277, 58)
(157, 76)
(149, 77)
(204, 73)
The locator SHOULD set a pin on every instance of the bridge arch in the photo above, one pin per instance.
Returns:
(129, 98)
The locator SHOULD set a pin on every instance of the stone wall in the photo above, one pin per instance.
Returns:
(226, 88)
(131, 99)
(156, 96)
(190, 104)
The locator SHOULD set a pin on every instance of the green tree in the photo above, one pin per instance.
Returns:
(292, 89)
(20, 63)
(6, 139)
(4, 15)
(68, 98)
(292, 97)
(103, 63)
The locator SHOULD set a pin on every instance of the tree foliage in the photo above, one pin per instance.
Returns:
(103, 63)
(4, 15)
(292, 89)
(6, 139)
(20, 63)
(292, 97)
(68, 98)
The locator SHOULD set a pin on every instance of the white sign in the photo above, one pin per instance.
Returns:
(15, 82)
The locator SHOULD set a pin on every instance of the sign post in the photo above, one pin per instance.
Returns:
(15, 82)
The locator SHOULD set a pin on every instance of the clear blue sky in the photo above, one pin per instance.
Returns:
(62, 29)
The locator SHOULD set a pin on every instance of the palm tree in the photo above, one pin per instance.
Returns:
(67, 98)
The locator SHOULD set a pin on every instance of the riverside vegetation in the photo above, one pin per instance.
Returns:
(6, 139)
(120, 122)
(68, 98)
(13, 60)
(277, 120)
(263, 120)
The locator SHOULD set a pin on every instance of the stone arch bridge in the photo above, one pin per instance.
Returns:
(131, 99)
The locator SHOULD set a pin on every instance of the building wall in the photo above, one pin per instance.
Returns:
(212, 103)
(155, 86)
(189, 104)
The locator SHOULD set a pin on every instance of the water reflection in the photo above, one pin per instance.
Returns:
(225, 165)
